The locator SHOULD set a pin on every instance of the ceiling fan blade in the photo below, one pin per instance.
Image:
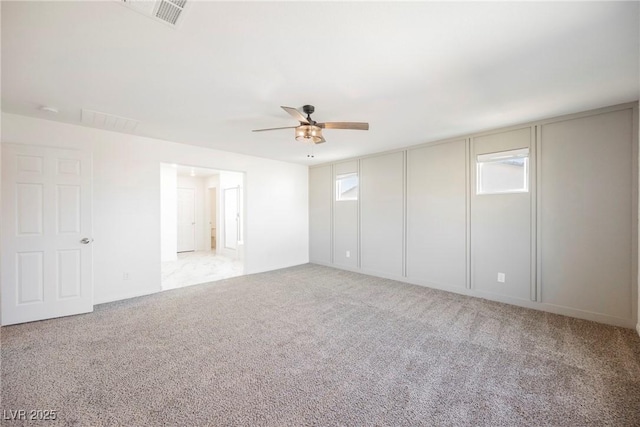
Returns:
(344, 125)
(296, 114)
(262, 130)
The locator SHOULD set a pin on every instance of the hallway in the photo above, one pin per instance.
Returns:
(197, 267)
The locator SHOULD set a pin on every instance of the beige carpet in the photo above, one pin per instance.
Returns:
(311, 345)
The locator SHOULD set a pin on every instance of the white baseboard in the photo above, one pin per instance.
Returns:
(114, 298)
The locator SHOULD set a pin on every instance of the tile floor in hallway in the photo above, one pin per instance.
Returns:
(192, 268)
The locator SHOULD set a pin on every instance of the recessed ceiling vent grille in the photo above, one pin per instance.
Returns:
(108, 121)
(170, 11)
(167, 11)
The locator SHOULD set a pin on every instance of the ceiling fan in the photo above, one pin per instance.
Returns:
(311, 131)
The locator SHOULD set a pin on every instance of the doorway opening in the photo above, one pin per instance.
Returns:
(201, 225)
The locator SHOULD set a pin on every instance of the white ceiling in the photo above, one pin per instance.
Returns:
(416, 71)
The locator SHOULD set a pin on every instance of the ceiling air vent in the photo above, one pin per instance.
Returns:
(170, 11)
(167, 11)
(108, 121)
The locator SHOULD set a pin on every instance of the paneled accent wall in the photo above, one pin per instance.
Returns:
(436, 209)
(382, 214)
(501, 224)
(587, 244)
(320, 182)
(564, 240)
(346, 221)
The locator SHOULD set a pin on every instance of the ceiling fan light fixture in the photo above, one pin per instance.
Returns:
(309, 133)
(310, 130)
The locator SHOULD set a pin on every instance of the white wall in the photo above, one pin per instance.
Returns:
(126, 202)
(168, 213)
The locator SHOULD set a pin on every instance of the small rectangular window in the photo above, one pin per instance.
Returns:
(347, 187)
(503, 172)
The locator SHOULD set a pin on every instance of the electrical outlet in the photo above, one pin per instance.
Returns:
(348, 254)
(501, 277)
(125, 276)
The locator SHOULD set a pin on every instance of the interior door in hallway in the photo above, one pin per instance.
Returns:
(46, 233)
(186, 220)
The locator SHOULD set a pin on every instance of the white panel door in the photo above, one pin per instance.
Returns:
(46, 233)
(231, 217)
(186, 220)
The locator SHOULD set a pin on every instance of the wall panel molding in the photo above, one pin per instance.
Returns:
(531, 266)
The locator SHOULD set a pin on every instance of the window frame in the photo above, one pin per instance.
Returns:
(338, 185)
(500, 157)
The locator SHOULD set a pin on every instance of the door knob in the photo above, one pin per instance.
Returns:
(86, 241)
